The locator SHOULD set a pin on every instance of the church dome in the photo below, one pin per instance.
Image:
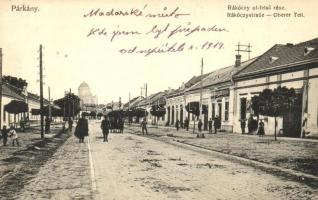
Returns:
(83, 85)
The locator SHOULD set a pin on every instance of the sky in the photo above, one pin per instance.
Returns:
(70, 56)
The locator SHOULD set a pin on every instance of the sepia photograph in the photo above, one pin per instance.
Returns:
(158, 99)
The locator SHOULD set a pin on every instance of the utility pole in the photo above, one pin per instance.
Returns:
(69, 103)
(50, 111)
(0, 87)
(41, 94)
(73, 108)
(146, 101)
(201, 94)
(247, 49)
(64, 113)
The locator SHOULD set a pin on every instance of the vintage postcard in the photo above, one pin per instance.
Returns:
(157, 99)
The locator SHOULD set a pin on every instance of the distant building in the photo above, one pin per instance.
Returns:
(85, 94)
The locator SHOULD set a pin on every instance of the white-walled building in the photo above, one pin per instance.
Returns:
(9, 94)
(86, 96)
(217, 94)
(176, 102)
(293, 66)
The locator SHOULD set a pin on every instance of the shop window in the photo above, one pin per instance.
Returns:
(226, 111)
(213, 110)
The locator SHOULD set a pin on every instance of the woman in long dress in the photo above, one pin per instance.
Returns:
(81, 130)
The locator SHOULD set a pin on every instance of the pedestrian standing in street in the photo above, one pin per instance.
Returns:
(22, 125)
(177, 124)
(5, 135)
(200, 125)
(144, 126)
(217, 124)
(81, 129)
(14, 136)
(210, 126)
(105, 128)
(121, 125)
(186, 123)
(261, 130)
(70, 124)
(243, 125)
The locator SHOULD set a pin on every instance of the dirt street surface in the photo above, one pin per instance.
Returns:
(134, 167)
(66, 175)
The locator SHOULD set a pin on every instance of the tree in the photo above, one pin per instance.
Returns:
(14, 81)
(275, 103)
(85, 114)
(69, 104)
(157, 111)
(100, 115)
(92, 114)
(194, 108)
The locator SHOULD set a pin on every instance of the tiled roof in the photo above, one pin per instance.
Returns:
(279, 56)
(148, 100)
(8, 91)
(221, 75)
(35, 97)
(130, 102)
(189, 83)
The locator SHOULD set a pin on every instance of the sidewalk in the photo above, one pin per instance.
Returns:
(290, 153)
(20, 164)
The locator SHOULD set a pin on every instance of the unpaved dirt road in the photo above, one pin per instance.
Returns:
(134, 167)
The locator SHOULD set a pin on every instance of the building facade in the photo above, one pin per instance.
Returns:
(291, 66)
(217, 94)
(86, 96)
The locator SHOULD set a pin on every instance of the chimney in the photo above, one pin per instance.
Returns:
(237, 60)
(289, 44)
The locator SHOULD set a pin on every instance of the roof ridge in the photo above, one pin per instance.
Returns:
(315, 40)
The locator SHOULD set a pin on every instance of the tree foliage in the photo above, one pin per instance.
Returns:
(157, 111)
(14, 81)
(137, 112)
(194, 108)
(66, 103)
(274, 103)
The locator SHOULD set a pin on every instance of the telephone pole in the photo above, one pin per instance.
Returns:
(50, 111)
(0, 87)
(69, 104)
(201, 94)
(41, 94)
(146, 101)
(246, 48)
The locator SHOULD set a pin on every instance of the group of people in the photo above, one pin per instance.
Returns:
(253, 125)
(216, 123)
(9, 133)
(81, 129)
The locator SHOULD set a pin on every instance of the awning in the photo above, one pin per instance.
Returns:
(35, 111)
(16, 107)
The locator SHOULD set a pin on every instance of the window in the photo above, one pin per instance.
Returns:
(243, 108)
(226, 111)
(220, 111)
(213, 110)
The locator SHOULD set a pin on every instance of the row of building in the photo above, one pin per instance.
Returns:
(22, 98)
(227, 92)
